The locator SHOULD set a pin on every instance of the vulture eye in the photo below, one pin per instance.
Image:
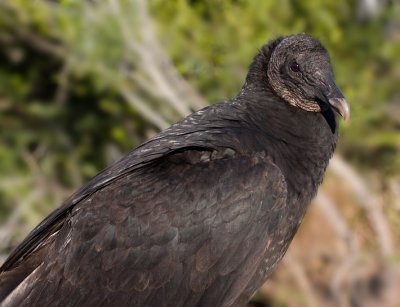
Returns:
(294, 66)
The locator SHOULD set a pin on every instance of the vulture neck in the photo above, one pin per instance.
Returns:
(300, 143)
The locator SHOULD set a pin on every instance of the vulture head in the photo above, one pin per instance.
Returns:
(299, 71)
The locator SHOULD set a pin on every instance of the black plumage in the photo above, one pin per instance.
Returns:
(201, 214)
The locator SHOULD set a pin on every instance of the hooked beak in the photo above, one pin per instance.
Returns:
(334, 97)
(341, 106)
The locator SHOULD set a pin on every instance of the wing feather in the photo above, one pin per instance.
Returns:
(145, 242)
(199, 130)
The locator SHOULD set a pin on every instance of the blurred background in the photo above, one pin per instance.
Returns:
(83, 82)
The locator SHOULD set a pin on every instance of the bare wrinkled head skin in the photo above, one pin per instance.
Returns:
(300, 72)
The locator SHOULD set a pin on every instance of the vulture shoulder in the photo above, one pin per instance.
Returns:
(195, 131)
(161, 236)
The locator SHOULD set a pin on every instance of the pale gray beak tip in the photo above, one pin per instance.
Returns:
(341, 106)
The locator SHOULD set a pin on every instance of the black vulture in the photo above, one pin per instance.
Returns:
(201, 214)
